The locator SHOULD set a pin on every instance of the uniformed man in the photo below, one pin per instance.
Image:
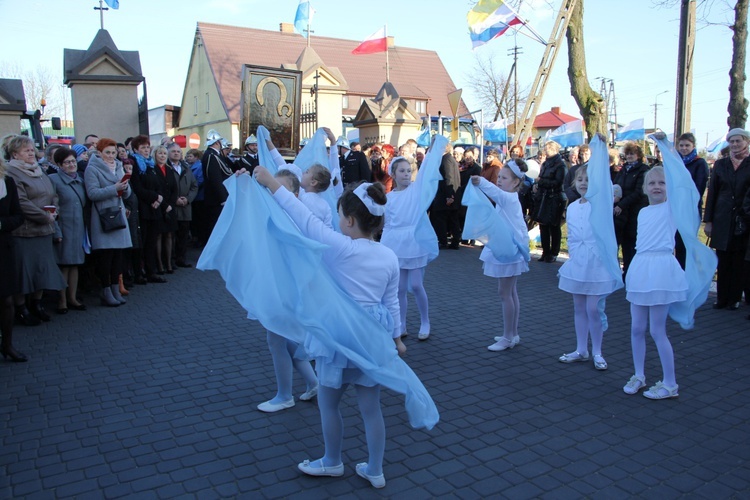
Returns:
(216, 169)
(249, 159)
(354, 164)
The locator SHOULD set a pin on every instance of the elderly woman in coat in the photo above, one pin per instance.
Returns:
(187, 189)
(725, 225)
(106, 187)
(11, 218)
(71, 238)
(33, 252)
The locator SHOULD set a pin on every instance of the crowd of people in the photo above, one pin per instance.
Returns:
(124, 214)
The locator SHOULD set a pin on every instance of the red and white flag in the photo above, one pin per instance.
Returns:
(377, 42)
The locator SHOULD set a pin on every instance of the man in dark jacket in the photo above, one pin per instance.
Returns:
(216, 170)
(444, 210)
(249, 159)
(354, 164)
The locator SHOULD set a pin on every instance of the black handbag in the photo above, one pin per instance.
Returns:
(111, 218)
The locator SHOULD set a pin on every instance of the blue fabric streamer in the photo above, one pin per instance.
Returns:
(426, 183)
(700, 263)
(264, 154)
(485, 224)
(278, 277)
(600, 194)
(315, 151)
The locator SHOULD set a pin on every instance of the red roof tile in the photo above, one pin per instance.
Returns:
(553, 119)
(415, 73)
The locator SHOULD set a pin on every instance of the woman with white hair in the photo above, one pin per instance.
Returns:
(726, 223)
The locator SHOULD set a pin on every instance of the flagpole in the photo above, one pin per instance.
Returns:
(309, 24)
(387, 67)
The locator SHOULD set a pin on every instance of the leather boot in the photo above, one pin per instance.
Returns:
(116, 294)
(107, 298)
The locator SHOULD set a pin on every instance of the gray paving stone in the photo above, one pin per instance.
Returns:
(163, 404)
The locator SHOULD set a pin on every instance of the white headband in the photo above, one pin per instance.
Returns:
(372, 207)
(514, 167)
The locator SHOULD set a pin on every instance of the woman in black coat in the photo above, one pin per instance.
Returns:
(148, 189)
(549, 202)
(633, 199)
(730, 180)
(11, 218)
(698, 169)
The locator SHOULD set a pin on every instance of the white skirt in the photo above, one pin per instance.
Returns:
(655, 278)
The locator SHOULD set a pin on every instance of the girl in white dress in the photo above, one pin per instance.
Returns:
(654, 281)
(507, 204)
(585, 276)
(368, 272)
(283, 350)
(409, 234)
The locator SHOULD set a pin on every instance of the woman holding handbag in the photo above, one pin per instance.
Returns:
(106, 185)
(549, 202)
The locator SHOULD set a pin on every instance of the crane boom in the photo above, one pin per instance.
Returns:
(536, 92)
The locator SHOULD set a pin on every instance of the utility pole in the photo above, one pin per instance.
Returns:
(656, 106)
(515, 52)
(685, 68)
(608, 93)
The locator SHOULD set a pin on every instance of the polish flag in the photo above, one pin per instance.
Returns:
(377, 42)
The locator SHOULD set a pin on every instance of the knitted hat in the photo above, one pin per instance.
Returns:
(738, 131)
(79, 149)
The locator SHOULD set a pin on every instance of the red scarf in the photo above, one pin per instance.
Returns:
(738, 157)
(163, 169)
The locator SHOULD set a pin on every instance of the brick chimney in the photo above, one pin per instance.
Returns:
(556, 110)
(286, 27)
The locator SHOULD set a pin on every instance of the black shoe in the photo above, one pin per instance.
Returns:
(24, 317)
(720, 305)
(550, 259)
(733, 306)
(160, 273)
(79, 307)
(15, 356)
(62, 310)
(156, 279)
(184, 264)
(542, 258)
(38, 311)
(140, 280)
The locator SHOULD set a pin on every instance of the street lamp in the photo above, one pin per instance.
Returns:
(656, 106)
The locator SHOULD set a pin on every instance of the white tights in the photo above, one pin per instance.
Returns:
(412, 280)
(655, 317)
(368, 399)
(284, 362)
(588, 320)
(511, 306)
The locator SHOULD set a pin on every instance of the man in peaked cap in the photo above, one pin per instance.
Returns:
(216, 169)
(354, 164)
(249, 159)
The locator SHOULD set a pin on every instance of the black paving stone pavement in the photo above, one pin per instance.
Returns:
(156, 399)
